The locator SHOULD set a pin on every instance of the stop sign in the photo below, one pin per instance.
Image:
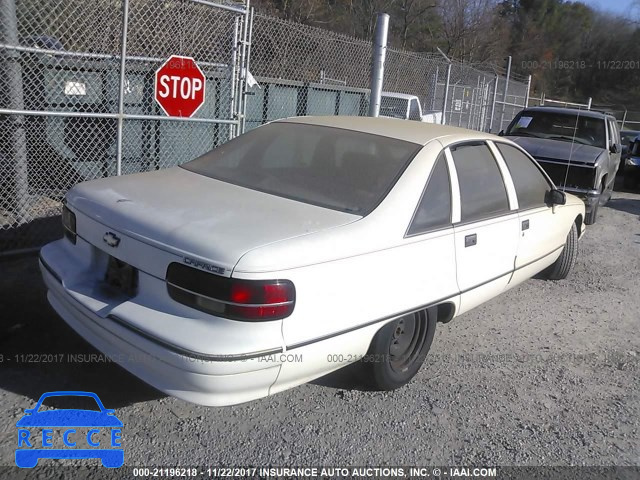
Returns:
(180, 86)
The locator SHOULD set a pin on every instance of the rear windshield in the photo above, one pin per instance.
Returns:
(560, 126)
(393, 107)
(330, 167)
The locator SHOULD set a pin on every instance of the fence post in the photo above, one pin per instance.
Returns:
(589, 103)
(493, 103)
(506, 92)
(15, 94)
(234, 60)
(248, 59)
(435, 88)
(526, 96)
(123, 64)
(377, 63)
(446, 95)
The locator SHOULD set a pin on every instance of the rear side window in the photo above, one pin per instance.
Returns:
(434, 209)
(531, 185)
(482, 190)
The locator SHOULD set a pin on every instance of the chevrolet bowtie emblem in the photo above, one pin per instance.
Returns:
(111, 239)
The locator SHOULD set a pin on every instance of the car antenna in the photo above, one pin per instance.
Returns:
(573, 141)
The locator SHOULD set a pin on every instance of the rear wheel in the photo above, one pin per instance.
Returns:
(399, 349)
(563, 265)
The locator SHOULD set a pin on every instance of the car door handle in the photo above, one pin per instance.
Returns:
(525, 225)
(470, 240)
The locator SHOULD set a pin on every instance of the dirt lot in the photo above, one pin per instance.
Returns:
(546, 374)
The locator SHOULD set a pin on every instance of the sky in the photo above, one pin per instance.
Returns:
(613, 6)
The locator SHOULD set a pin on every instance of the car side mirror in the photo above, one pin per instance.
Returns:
(556, 197)
(501, 133)
(614, 148)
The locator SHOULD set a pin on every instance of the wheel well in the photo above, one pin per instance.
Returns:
(446, 312)
(603, 182)
(578, 222)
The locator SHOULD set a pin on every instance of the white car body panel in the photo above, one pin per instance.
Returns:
(200, 218)
(490, 260)
(352, 274)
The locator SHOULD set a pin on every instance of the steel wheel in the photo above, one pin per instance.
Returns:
(399, 348)
(407, 340)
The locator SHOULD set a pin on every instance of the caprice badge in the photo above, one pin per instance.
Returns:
(204, 266)
(111, 239)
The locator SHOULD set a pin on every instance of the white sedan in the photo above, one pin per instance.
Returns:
(302, 246)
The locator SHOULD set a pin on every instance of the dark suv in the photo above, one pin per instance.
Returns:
(579, 149)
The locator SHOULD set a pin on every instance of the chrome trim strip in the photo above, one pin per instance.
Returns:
(290, 302)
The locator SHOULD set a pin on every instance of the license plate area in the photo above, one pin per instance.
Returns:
(121, 277)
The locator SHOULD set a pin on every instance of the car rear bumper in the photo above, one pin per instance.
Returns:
(191, 378)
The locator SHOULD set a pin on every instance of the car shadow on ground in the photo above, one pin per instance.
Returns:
(347, 378)
(628, 205)
(40, 353)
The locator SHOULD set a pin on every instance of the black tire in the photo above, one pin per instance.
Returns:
(398, 350)
(563, 265)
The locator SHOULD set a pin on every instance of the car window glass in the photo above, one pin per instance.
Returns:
(334, 168)
(393, 107)
(434, 210)
(610, 132)
(482, 190)
(567, 127)
(531, 185)
(614, 132)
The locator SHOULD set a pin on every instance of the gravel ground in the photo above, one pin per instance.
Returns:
(546, 374)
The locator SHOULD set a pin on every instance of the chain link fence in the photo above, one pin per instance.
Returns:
(72, 110)
(77, 96)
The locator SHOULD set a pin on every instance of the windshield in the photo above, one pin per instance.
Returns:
(567, 127)
(330, 167)
(393, 107)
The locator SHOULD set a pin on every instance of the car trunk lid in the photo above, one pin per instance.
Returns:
(206, 220)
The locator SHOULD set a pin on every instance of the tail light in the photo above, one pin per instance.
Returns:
(69, 224)
(247, 300)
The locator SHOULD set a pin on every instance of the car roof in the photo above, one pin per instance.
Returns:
(407, 130)
(570, 111)
(404, 96)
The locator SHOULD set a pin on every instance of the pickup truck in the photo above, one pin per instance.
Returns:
(579, 149)
(406, 107)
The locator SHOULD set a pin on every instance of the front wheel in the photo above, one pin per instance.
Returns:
(398, 350)
(563, 265)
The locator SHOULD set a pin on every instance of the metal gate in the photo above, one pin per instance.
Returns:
(77, 97)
